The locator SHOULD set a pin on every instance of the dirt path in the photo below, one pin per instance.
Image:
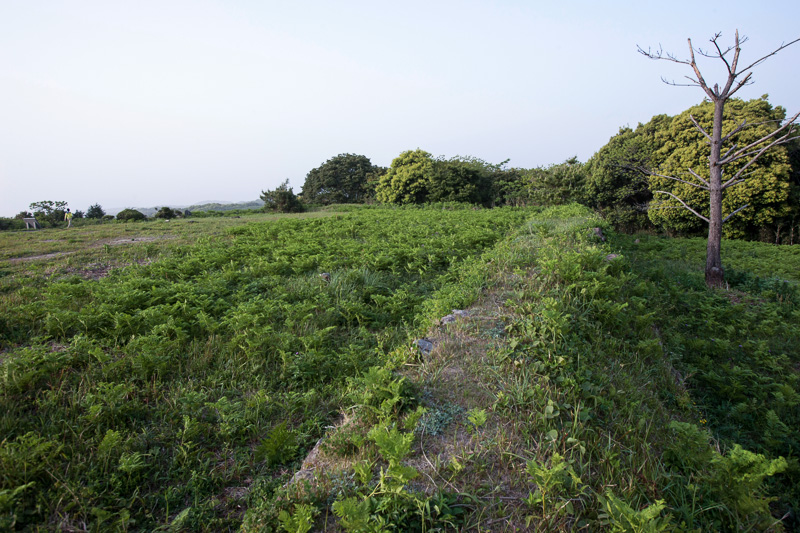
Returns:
(110, 242)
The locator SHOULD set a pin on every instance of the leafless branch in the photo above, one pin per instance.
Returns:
(699, 127)
(732, 149)
(740, 156)
(732, 74)
(684, 204)
(654, 206)
(754, 159)
(741, 179)
(724, 220)
(705, 188)
(729, 184)
(696, 175)
(676, 84)
(721, 53)
(736, 130)
(761, 60)
(740, 153)
(660, 55)
(745, 81)
(697, 73)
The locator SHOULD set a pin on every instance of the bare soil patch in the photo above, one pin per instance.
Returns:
(110, 242)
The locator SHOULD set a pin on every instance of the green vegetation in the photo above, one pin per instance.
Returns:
(168, 213)
(174, 376)
(571, 397)
(240, 206)
(346, 178)
(95, 211)
(130, 214)
(618, 187)
(176, 392)
(49, 213)
(682, 146)
(406, 180)
(281, 200)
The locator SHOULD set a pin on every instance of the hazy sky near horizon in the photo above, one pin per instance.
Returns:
(175, 102)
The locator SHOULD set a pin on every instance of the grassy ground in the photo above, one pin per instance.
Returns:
(183, 380)
(587, 386)
(563, 400)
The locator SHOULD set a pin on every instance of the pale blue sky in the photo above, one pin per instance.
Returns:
(173, 102)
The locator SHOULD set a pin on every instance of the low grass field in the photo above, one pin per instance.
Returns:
(261, 374)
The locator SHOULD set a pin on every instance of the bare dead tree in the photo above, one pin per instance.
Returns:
(737, 78)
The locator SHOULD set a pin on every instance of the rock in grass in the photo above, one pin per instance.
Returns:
(457, 313)
(597, 232)
(424, 345)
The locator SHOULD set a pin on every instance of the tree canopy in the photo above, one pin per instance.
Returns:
(49, 210)
(281, 199)
(406, 181)
(95, 211)
(556, 184)
(130, 214)
(682, 146)
(341, 179)
(416, 177)
(167, 213)
(623, 174)
(616, 183)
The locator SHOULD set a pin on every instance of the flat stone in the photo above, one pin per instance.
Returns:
(597, 232)
(424, 345)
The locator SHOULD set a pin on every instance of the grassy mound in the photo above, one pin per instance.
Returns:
(569, 396)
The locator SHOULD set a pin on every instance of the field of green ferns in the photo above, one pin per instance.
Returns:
(173, 376)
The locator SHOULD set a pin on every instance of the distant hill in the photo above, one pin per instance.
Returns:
(211, 205)
(225, 206)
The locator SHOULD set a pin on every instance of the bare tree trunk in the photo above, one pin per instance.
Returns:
(715, 275)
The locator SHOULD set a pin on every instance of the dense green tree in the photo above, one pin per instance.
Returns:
(49, 210)
(739, 156)
(787, 229)
(11, 224)
(557, 184)
(683, 147)
(616, 176)
(508, 187)
(95, 211)
(77, 214)
(406, 181)
(281, 199)
(167, 213)
(460, 179)
(130, 214)
(341, 179)
(415, 177)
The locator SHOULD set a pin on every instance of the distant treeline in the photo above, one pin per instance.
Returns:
(619, 181)
(49, 214)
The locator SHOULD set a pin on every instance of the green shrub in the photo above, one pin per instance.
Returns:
(130, 214)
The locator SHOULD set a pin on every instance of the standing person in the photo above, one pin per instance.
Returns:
(68, 218)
